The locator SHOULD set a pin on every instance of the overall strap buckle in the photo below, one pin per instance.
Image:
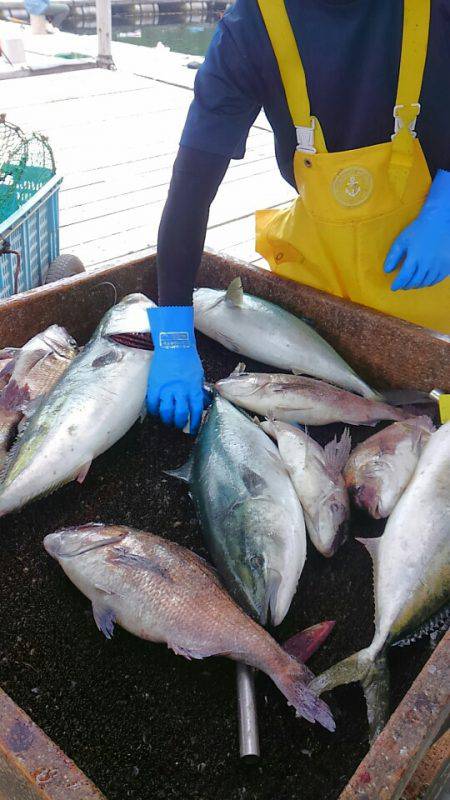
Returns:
(305, 137)
(405, 116)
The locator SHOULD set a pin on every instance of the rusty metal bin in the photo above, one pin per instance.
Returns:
(386, 351)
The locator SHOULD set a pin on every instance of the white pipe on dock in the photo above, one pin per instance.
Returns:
(104, 34)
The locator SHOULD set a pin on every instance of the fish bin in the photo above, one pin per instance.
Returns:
(85, 717)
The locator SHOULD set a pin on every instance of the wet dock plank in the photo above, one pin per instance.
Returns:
(115, 136)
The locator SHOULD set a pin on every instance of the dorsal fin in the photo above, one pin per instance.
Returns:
(239, 369)
(235, 293)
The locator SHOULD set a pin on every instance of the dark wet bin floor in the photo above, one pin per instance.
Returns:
(140, 721)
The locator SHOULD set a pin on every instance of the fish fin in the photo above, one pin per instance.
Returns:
(298, 371)
(26, 360)
(102, 589)
(112, 356)
(183, 473)
(268, 427)
(143, 412)
(138, 562)
(81, 477)
(438, 622)
(253, 481)
(186, 653)
(226, 341)
(104, 619)
(304, 644)
(235, 293)
(240, 369)
(349, 670)
(9, 352)
(374, 678)
(337, 454)
(371, 546)
(292, 680)
(376, 691)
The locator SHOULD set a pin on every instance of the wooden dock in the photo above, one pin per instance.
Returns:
(115, 136)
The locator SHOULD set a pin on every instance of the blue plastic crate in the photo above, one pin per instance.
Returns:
(33, 231)
(25, 180)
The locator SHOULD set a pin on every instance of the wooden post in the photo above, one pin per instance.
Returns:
(104, 34)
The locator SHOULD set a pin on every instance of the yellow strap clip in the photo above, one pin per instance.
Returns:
(406, 117)
(444, 407)
(444, 404)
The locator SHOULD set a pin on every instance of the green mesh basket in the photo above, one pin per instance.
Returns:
(26, 165)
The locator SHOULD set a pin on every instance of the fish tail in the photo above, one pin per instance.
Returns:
(373, 675)
(292, 679)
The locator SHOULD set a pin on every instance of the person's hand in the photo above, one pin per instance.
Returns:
(425, 244)
(175, 383)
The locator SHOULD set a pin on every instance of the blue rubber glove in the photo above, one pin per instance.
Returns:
(425, 244)
(175, 383)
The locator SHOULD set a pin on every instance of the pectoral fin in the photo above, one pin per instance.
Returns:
(104, 619)
(84, 471)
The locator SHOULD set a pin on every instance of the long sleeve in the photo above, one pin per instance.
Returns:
(196, 178)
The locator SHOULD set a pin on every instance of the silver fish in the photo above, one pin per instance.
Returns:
(411, 574)
(94, 404)
(316, 474)
(307, 401)
(266, 332)
(162, 592)
(380, 468)
(251, 517)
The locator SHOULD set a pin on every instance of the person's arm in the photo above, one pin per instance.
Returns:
(226, 103)
(175, 390)
(196, 178)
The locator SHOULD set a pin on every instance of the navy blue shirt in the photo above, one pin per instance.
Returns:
(350, 51)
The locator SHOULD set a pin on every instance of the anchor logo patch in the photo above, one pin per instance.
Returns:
(352, 186)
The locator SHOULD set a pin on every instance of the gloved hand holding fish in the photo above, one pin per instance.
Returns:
(162, 592)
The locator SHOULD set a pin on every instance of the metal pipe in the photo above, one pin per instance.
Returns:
(104, 34)
(247, 713)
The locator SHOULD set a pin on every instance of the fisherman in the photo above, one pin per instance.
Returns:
(357, 94)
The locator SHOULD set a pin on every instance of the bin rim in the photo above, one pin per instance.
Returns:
(11, 223)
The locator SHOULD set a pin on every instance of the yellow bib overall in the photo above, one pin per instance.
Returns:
(353, 204)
